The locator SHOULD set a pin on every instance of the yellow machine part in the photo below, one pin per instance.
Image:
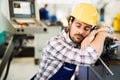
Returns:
(116, 23)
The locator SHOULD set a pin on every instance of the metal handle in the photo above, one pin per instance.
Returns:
(106, 66)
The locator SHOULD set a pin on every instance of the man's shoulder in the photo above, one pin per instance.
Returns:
(42, 9)
(57, 38)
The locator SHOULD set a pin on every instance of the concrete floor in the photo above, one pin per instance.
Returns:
(24, 68)
(21, 69)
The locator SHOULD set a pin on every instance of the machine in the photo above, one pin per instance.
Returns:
(23, 17)
(19, 20)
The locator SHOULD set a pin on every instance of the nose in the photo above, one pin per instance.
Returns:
(81, 30)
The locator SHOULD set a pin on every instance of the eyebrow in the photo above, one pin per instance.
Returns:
(89, 26)
(85, 26)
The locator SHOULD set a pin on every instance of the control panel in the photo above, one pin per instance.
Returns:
(23, 17)
(28, 26)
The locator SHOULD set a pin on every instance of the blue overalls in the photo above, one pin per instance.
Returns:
(64, 73)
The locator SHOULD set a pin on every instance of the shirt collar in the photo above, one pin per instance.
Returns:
(67, 38)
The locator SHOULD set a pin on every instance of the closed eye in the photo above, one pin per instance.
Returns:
(87, 28)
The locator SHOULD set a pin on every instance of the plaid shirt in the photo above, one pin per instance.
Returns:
(60, 49)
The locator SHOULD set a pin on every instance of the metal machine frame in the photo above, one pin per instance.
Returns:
(19, 31)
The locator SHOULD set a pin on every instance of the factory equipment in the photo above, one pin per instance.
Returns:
(102, 67)
(116, 23)
(20, 23)
(23, 17)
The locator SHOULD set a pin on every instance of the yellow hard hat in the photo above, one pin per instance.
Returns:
(85, 12)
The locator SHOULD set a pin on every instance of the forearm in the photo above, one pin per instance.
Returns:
(98, 42)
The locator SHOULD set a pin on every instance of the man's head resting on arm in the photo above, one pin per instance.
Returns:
(81, 21)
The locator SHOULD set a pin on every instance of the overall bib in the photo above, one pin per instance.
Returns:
(65, 72)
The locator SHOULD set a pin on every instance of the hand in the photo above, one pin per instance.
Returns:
(88, 39)
(105, 28)
(106, 34)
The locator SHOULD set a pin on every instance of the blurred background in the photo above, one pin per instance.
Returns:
(26, 25)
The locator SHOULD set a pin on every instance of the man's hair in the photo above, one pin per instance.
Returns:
(71, 19)
(46, 5)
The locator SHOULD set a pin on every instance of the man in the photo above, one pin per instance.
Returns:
(43, 13)
(76, 45)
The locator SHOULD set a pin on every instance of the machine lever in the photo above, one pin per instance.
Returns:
(106, 66)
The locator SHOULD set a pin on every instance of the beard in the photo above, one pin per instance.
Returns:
(76, 38)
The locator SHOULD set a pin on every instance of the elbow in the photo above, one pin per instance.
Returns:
(89, 62)
(93, 61)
